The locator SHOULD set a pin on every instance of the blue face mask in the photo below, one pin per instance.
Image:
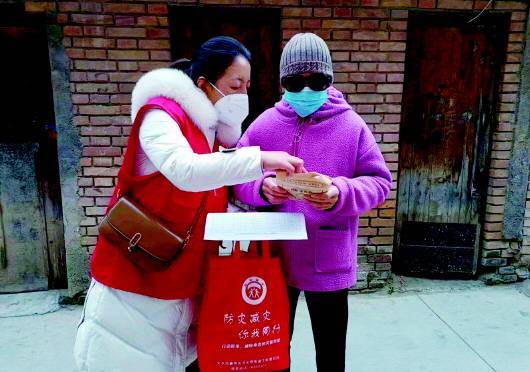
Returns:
(306, 101)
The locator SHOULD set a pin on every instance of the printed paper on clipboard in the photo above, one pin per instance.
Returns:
(255, 226)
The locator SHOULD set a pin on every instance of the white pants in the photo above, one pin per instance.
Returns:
(123, 331)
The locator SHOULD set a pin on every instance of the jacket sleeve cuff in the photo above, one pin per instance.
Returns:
(259, 200)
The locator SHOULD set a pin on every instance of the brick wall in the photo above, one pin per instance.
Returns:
(111, 44)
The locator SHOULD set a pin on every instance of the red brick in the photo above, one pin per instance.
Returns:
(395, 78)
(90, 7)
(345, 67)
(369, 24)
(518, 16)
(398, 3)
(147, 21)
(510, 5)
(369, 46)
(79, 99)
(63, 18)
(162, 21)
(101, 191)
(517, 27)
(100, 141)
(341, 35)
(97, 76)
(72, 31)
(108, 182)
(311, 23)
(391, 118)
(101, 151)
(68, 6)
(343, 45)
(157, 8)
(322, 12)
(125, 32)
(514, 58)
(428, 4)
(96, 88)
(94, 30)
(392, 46)
(369, 3)
(128, 55)
(128, 66)
(98, 110)
(124, 8)
(95, 65)
(296, 12)
(128, 87)
(400, 14)
(370, 35)
(371, 13)
(515, 47)
(366, 88)
(94, 42)
(99, 98)
(127, 44)
(367, 77)
(75, 53)
(33, 6)
(92, 19)
(340, 23)
(342, 12)
(96, 53)
(366, 98)
(100, 131)
(391, 67)
(154, 44)
(160, 55)
(455, 4)
(390, 88)
(388, 108)
(369, 56)
(345, 87)
(157, 33)
(119, 141)
(122, 20)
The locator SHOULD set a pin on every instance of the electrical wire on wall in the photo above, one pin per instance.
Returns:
(481, 12)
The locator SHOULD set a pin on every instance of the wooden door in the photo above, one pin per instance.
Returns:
(452, 69)
(32, 254)
(258, 29)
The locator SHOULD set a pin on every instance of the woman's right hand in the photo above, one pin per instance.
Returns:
(280, 160)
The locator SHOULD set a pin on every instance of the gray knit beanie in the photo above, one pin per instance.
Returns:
(305, 52)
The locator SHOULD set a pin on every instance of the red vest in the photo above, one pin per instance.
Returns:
(175, 208)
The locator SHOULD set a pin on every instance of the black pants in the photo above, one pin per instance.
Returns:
(329, 319)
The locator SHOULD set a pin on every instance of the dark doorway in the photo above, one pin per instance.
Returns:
(449, 105)
(258, 29)
(32, 252)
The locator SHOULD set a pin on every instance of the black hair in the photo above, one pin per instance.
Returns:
(212, 58)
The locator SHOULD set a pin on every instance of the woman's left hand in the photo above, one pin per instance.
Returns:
(324, 201)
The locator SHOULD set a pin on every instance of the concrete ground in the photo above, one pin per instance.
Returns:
(424, 325)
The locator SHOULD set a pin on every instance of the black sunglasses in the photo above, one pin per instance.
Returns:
(317, 82)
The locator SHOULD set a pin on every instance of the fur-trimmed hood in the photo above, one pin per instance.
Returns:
(176, 85)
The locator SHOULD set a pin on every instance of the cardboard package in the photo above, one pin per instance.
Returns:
(301, 184)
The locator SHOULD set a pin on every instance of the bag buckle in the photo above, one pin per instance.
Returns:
(134, 242)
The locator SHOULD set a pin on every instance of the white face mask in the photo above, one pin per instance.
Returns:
(231, 110)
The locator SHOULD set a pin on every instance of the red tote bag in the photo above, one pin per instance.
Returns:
(244, 316)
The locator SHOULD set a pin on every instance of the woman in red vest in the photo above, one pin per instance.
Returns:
(135, 320)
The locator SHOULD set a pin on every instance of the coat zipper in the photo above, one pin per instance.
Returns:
(298, 134)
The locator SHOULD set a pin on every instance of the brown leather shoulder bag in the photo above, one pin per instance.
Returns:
(142, 238)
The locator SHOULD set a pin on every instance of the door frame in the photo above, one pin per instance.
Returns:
(461, 18)
(69, 145)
